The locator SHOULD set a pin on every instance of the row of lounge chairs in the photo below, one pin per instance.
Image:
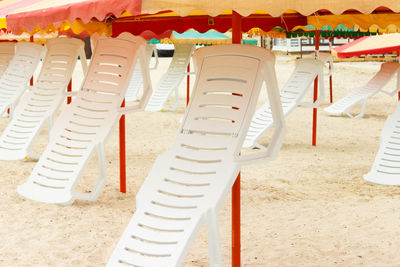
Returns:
(188, 183)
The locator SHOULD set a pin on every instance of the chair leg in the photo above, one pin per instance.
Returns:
(32, 156)
(214, 244)
(175, 106)
(364, 105)
(50, 125)
(361, 114)
(101, 157)
(257, 145)
(11, 110)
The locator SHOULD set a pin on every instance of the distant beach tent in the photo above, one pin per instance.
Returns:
(195, 37)
(379, 44)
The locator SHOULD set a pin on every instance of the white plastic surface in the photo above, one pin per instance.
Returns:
(189, 182)
(39, 105)
(171, 80)
(15, 79)
(7, 52)
(386, 167)
(327, 58)
(85, 124)
(136, 82)
(291, 94)
(362, 94)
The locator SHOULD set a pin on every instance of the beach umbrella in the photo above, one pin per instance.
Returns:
(195, 37)
(379, 44)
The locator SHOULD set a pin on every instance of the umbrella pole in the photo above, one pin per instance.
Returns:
(122, 153)
(188, 85)
(236, 39)
(31, 39)
(314, 130)
(330, 68)
(69, 89)
(398, 60)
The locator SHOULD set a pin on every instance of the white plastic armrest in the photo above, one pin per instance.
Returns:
(390, 93)
(156, 58)
(73, 93)
(126, 110)
(321, 93)
(275, 144)
(82, 56)
(266, 155)
(397, 89)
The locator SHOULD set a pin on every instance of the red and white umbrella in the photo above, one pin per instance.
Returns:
(378, 44)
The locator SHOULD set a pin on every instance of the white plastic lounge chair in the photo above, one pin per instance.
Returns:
(14, 80)
(188, 183)
(40, 104)
(171, 80)
(85, 124)
(7, 52)
(362, 94)
(386, 167)
(291, 94)
(136, 82)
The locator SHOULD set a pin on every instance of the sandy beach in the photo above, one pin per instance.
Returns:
(310, 207)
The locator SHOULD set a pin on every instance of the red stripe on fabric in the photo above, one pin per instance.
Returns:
(85, 10)
(381, 50)
(339, 49)
(17, 5)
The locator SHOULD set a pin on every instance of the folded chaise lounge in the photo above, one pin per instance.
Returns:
(171, 80)
(362, 94)
(15, 79)
(39, 106)
(85, 124)
(188, 183)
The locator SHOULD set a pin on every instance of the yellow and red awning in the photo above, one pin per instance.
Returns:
(78, 15)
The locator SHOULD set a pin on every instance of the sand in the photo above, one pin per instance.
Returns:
(310, 207)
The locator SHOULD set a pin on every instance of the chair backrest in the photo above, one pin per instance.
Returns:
(53, 79)
(222, 105)
(23, 64)
(386, 72)
(98, 102)
(58, 63)
(111, 65)
(20, 69)
(7, 52)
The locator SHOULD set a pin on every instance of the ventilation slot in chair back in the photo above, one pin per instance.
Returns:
(219, 104)
(7, 52)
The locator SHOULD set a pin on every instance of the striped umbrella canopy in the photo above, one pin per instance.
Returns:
(30, 15)
(195, 37)
(379, 44)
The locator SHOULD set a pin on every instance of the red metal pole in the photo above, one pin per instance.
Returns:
(398, 53)
(236, 261)
(69, 89)
(31, 39)
(122, 153)
(188, 85)
(330, 86)
(330, 68)
(314, 130)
